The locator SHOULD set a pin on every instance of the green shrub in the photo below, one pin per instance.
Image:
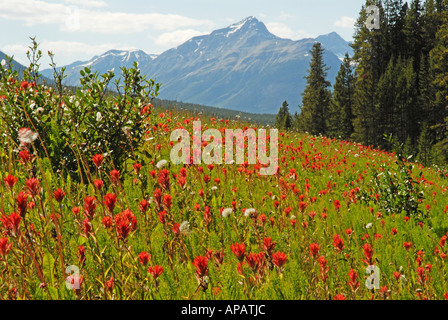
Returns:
(74, 127)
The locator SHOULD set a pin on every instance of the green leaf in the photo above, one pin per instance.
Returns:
(48, 266)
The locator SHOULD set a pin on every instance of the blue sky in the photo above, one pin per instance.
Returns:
(80, 29)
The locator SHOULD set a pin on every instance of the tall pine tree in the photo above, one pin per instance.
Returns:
(283, 120)
(316, 97)
(340, 116)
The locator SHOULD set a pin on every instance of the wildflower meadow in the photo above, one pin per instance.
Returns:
(92, 207)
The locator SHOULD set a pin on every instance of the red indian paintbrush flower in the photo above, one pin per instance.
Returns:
(144, 206)
(86, 227)
(98, 184)
(25, 157)
(164, 179)
(314, 250)
(207, 215)
(22, 205)
(137, 167)
(110, 284)
(353, 282)
(255, 261)
(368, 253)
(89, 207)
(143, 258)
(407, 245)
(279, 259)
(115, 176)
(97, 160)
(337, 204)
(125, 222)
(238, 250)
(167, 201)
(156, 271)
(338, 243)
(268, 245)
(59, 195)
(110, 200)
(158, 196)
(161, 216)
(76, 210)
(200, 263)
(10, 181)
(11, 222)
(33, 186)
(107, 222)
(5, 247)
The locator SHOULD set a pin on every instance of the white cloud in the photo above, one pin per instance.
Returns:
(283, 31)
(175, 38)
(285, 16)
(88, 3)
(74, 18)
(345, 22)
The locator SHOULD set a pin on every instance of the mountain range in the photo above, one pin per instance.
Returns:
(241, 67)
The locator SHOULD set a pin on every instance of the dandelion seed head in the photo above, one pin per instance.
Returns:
(184, 227)
(227, 212)
(161, 164)
(249, 212)
(27, 136)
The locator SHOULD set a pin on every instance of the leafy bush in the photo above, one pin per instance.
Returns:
(394, 188)
(74, 127)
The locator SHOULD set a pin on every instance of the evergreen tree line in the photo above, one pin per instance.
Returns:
(396, 83)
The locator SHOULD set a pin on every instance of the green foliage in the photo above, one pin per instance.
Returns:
(283, 120)
(340, 115)
(72, 128)
(316, 97)
(395, 189)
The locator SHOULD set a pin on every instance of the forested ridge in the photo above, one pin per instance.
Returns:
(395, 84)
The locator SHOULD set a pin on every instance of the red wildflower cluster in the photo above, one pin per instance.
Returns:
(110, 200)
(125, 222)
(279, 259)
(143, 258)
(156, 271)
(338, 243)
(164, 179)
(59, 195)
(89, 208)
(239, 250)
(5, 247)
(255, 261)
(314, 250)
(22, 204)
(200, 263)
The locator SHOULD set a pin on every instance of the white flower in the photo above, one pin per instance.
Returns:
(184, 227)
(249, 212)
(161, 164)
(214, 188)
(227, 212)
(369, 225)
(3, 62)
(293, 217)
(99, 117)
(27, 136)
